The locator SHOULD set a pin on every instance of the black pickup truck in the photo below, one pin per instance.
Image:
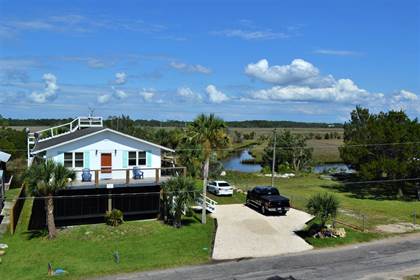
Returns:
(267, 199)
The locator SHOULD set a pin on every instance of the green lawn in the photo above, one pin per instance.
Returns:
(299, 189)
(88, 250)
(236, 198)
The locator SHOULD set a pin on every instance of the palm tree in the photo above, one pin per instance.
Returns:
(210, 132)
(323, 206)
(45, 180)
(178, 193)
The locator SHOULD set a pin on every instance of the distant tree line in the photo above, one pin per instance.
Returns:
(172, 123)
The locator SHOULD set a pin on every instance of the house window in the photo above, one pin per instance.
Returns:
(78, 159)
(132, 158)
(142, 158)
(137, 158)
(68, 160)
(72, 160)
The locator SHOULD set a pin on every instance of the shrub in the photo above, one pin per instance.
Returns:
(323, 206)
(114, 217)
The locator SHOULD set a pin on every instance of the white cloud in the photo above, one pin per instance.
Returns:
(343, 90)
(187, 94)
(405, 100)
(302, 81)
(337, 52)
(298, 71)
(215, 95)
(252, 34)
(103, 98)
(120, 78)
(50, 90)
(96, 63)
(119, 93)
(76, 24)
(405, 95)
(147, 94)
(197, 68)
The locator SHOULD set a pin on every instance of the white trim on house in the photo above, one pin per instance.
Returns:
(101, 131)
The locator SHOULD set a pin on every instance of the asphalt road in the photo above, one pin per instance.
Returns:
(384, 259)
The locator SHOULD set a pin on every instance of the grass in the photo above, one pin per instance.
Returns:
(352, 236)
(412, 277)
(12, 194)
(236, 198)
(324, 150)
(87, 251)
(300, 188)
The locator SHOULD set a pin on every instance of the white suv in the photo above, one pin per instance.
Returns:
(220, 188)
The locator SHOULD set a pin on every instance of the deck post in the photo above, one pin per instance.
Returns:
(184, 171)
(127, 176)
(157, 175)
(96, 178)
(109, 201)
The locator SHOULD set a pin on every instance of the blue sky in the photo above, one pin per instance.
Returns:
(279, 60)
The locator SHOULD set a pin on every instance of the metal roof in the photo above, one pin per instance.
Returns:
(43, 145)
(4, 157)
(82, 133)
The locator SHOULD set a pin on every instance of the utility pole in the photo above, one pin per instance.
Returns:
(273, 167)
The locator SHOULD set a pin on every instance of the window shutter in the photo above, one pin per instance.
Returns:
(86, 159)
(60, 157)
(149, 158)
(125, 159)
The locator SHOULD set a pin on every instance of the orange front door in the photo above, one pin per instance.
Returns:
(106, 163)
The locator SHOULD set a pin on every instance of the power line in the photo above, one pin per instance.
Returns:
(199, 192)
(288, 147)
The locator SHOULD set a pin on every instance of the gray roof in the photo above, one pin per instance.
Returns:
(4, 157)
(40, 146)
(47, 144)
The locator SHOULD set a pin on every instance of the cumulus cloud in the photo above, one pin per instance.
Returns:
(405, 95)
(193, 68)
(103, 98)
(302, 81)
(298, 71)
(187, 94)
(147, 94)
(405, 100)
(344, 90)
(50, 90)
(120, 78)
(215, 95)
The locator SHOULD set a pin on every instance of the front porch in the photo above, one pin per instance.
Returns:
(121, 178)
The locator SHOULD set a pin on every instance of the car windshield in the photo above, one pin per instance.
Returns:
(269, 191)
(224, 185)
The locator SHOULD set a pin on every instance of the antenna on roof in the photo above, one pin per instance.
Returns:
(91, 111)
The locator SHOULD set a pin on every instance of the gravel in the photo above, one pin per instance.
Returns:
(244, 233)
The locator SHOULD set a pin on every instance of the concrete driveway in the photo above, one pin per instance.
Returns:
(243, 232)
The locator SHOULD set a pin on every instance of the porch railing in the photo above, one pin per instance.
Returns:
(126, 175)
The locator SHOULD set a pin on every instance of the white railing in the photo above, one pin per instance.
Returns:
(52, 132)
(210, 203)
(80, 122)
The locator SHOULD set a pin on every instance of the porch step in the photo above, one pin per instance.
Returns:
(210, 204)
